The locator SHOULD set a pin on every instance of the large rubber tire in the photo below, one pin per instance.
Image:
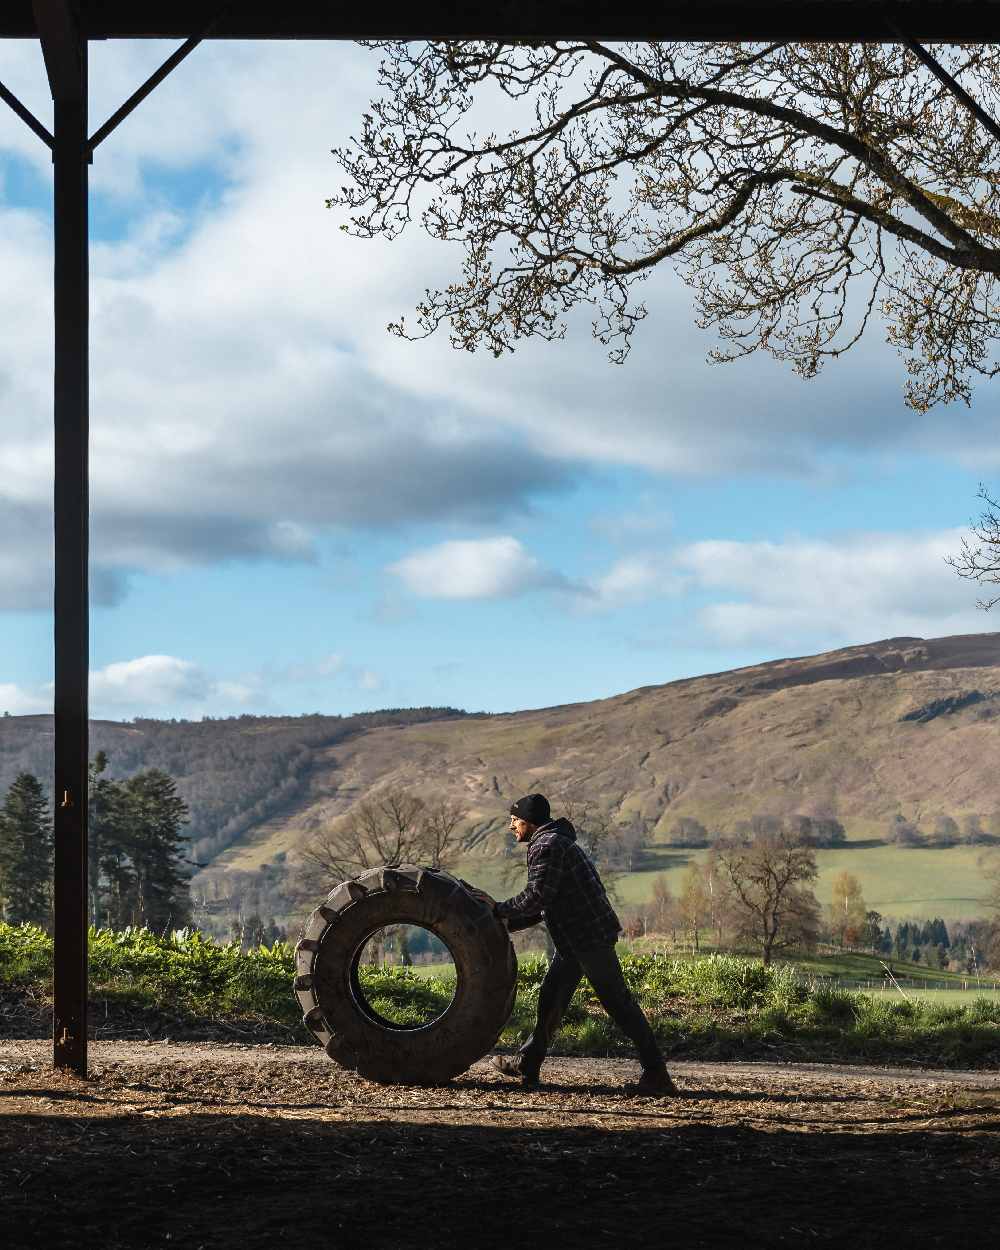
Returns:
(336, 1011)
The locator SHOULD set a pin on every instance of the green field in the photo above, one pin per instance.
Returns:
(901, 884)
(433, 970)
(943, 998)
(850, 969)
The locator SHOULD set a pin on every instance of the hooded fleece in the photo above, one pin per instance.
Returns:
(565, 890)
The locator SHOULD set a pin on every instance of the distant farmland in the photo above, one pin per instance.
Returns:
(901, 884)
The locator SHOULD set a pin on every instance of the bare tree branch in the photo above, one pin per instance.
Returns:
(779, 179)
(979, 561)
(391, 826)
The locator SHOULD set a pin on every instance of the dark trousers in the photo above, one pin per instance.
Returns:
(601, 967)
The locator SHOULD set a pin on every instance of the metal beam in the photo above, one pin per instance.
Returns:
(25, 115)
(72, 626)
(154, 80)
(137, 97)
(62, 46)
(929, 21)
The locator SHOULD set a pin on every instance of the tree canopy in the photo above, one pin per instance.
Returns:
(801, 191)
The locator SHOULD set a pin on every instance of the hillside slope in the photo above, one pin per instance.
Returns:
(905, 725)
(234, 773)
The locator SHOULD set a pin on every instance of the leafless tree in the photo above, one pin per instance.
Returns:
(628, 844)
(979, 557)
(441, 823)
(594, 827)
(989, 865)
(771, 877)
(664, 908)
(905, 832)
(391, 826)
(693, 904)
(800, 189)
(614, 847)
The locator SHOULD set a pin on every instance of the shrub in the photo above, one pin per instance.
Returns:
(720, 1007)
(25, 954)
(827, 1005)
(728, 981)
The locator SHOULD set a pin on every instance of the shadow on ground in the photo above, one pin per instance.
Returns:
(87, 1178)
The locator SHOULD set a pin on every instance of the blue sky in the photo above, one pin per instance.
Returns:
(294, 512)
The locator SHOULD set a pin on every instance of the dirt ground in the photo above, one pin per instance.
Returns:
(217, 1146)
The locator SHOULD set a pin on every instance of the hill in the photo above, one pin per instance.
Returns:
(234, 773)
(902, 727)
(905, 726)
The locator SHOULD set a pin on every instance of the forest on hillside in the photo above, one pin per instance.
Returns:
(232, 773)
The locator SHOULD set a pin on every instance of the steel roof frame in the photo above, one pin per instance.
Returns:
(65, 29)
(930, 21)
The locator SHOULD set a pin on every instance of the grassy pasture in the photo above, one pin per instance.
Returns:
(433, 970)
(901, 884)
(858, 966)
(947, 998)
(911, 883)
(847, 965)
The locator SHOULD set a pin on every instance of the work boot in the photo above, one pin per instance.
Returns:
(653, 1083)
(515, 1069)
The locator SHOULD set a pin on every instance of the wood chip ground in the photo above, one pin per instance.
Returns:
(211, 1146)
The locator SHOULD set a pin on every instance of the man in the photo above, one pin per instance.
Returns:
(565, 890)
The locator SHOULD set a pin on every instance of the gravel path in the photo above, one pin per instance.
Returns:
(101, 1053)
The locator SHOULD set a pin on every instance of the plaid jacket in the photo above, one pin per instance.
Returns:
(563, 889)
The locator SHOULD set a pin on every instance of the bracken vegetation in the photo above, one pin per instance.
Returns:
(716, 1008)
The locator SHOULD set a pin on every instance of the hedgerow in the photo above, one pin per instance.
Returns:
(720, 1007)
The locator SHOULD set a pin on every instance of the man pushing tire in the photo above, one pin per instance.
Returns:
(565, 890)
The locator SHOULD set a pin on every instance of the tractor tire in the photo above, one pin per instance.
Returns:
(336, 1011)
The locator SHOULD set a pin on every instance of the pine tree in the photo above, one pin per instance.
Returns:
(111, 880)
(26, 852)
(153, 813)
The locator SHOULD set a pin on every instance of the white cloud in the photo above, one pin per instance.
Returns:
(636, 578)
(483, 568)
(239, 402)
(246, 396)
(149, 682)
(241, 693)
(805, 594)
(149, 685)
(830, 592)
(368, 679)
(333, 667)
(330, 665)
(20, 702)
(501, 568)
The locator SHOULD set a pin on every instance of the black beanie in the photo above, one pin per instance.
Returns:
(534, 808)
